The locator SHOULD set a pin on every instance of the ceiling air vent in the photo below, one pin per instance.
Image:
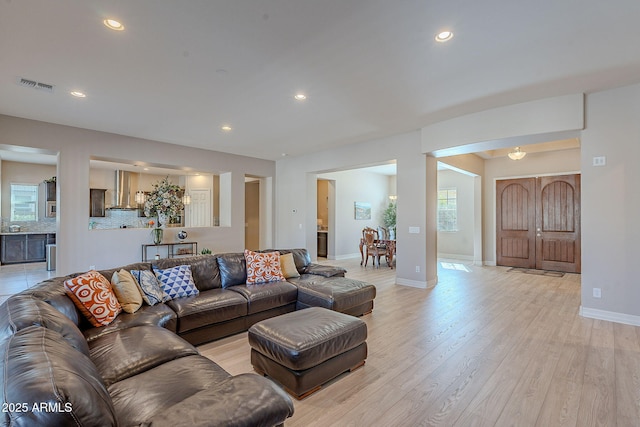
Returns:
(35, 85)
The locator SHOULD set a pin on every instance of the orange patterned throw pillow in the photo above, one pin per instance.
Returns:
(92, 294)
(263, 267)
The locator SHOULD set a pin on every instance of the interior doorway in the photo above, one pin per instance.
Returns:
(252, 214)
(538, 223)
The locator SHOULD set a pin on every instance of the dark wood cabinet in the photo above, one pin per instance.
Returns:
(13, 248)
(96, 202)
(23, 248)
(50, 191)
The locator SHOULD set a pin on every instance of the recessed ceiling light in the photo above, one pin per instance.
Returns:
(444, 36)
(78, 94)
(226, 128)
(300, 96)
(113, 24)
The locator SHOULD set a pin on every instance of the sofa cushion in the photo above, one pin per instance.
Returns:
(21, 311)
(126, 290)
(263, 267)
(128, 352)
(300, 256)
(325, 270)
(233, 269)
(204, 269)
(164, 386)
(92, 294)
(288, 266)
(150, 289)
(267, 296)
(158, 315)
(247, 399)
(210, 307)
(135, 266)
(176, 282)
(53, 292)
(38, 367)
(335, 293)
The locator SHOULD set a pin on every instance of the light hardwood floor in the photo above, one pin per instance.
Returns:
(485, 347)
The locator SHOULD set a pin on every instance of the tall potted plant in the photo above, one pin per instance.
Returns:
(389, 219)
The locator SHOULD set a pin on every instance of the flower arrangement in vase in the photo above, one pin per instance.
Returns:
(164, 202)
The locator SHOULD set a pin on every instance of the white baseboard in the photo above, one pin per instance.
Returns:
(347, 256)
(611, 316)
(416, 283)
(456, 256)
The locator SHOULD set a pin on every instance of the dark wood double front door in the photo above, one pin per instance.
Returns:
(538, 223)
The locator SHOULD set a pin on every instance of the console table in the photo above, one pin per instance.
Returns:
(170, 250)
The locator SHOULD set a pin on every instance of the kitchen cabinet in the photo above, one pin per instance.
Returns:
(50, 191)
(23, 248)
(96, 202)
(322, 243)
(13, 248)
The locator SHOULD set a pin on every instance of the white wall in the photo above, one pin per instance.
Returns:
(611, 205)
(79, 247)
(296, 199)
(356, 186)
(458, 244)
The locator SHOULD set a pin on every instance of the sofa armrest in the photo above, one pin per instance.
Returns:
(325, 270)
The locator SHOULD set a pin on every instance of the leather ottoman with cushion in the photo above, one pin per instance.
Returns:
(304, 349)
(342, 294)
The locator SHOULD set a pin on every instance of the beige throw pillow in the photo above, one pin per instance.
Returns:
(288, 266)
(126, 290)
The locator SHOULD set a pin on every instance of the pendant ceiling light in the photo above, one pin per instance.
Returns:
(140, 197)
(517, 154)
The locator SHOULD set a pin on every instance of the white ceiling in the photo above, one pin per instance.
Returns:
(370, 68)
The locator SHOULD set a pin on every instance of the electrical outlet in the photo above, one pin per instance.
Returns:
(92, 267)
(597, 293)
(417, 269)
(599, 161)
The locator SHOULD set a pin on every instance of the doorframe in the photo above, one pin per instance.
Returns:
(494, 202)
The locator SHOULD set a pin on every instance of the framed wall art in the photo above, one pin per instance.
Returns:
(362, 210)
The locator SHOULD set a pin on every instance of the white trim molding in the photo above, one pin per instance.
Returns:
(611, 316)
(417, 283)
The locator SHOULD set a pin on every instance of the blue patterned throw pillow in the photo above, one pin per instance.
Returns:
(177, 282)
(152, 293)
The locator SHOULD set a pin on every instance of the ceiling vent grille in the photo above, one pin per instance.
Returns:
(36, 85)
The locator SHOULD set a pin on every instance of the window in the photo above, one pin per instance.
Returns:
(24, 202)
(448, 210)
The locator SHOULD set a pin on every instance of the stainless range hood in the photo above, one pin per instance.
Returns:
(124, 198)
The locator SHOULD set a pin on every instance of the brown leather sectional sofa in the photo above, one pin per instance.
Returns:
(143, 368)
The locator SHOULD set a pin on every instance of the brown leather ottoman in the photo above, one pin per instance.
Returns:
(306, 348)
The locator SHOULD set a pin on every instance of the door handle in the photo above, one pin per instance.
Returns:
(538, 235)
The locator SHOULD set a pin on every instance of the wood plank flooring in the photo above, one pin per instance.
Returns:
(485, 347)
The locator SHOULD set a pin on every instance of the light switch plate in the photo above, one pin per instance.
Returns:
(414, 230)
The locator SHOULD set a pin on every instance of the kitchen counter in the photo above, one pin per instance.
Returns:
(17, 233)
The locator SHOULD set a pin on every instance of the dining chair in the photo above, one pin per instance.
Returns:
(372, 247)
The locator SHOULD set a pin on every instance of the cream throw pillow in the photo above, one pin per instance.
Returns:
(288, 266)
(126, 290)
